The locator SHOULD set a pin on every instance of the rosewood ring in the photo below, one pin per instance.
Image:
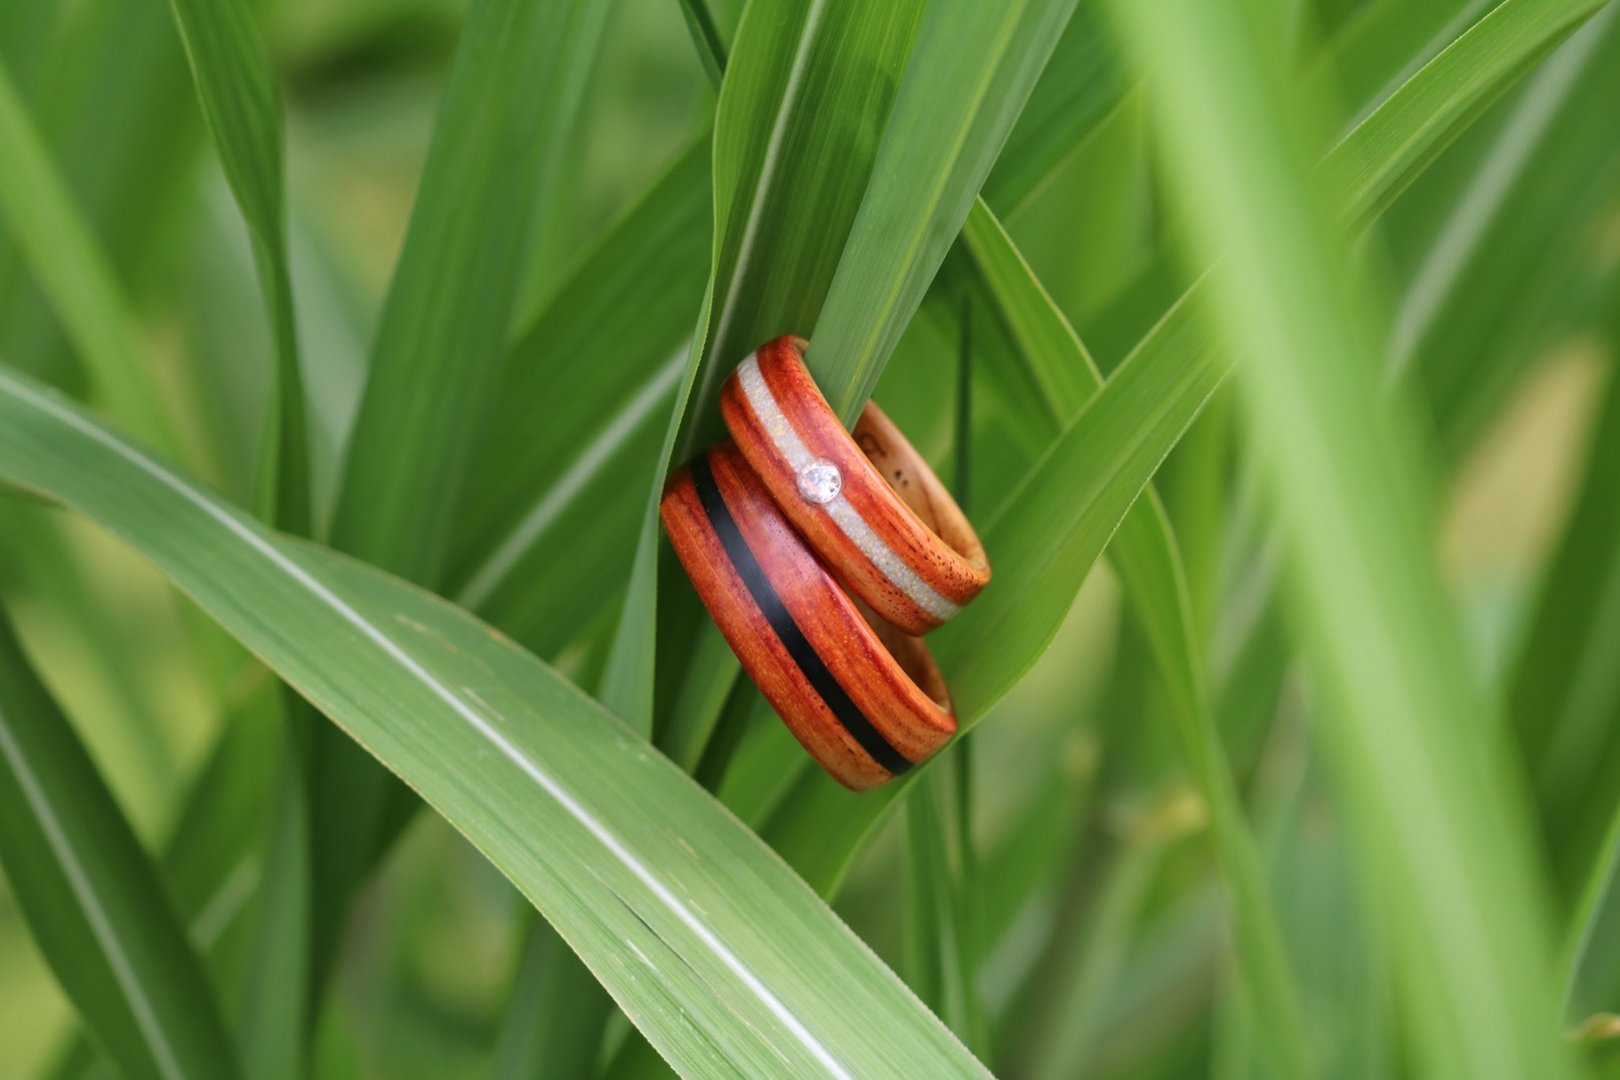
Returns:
(865, 700)
(866, 503)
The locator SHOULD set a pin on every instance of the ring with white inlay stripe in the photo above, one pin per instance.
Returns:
(866, 503)
(865, 699)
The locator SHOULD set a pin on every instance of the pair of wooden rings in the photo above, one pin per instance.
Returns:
(821, 554)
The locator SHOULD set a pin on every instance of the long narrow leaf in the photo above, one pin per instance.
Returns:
(548, 519)
(808, 85)
(1499, 274)
(822, 826)
(1565, 690)
(1079, 86)
(1379, 157)
(93, 900)
(1443, 822)
(444, 327)
(70, 266)
(1146, 553)
(975, 64)
(693, 926)
(442, 336)
(239, 101)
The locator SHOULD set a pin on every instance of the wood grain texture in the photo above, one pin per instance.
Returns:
(885, 481)
(838, 683)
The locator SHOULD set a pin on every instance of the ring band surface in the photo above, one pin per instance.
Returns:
(867, 503)
(866, 703)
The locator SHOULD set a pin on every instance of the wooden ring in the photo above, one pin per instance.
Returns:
(866, 701)
(867, 503)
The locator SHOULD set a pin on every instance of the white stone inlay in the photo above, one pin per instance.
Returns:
(845, 516)
(820, 482)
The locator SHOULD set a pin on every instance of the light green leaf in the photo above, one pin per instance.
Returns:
(444, 327)
(74, 273)
(1080, 85)
(1381, 155)
(1444, 828)
(806, 92)
(1018, 618)
(1045, 540)
(1565, 690)
(693, 926)
(550, 511)
(442, 336)
(975, 65)
(239, 101)
(555, 1014)
(95, 904)
(1509, 255)
(1149, 561)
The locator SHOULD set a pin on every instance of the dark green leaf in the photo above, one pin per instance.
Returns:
(93, 900)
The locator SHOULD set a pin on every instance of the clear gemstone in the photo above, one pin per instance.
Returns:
(820, 481)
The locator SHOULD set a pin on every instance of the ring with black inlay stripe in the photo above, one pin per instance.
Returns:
(865, 700)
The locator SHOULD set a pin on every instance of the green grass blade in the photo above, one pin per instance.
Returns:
(556, 196)
(239, 101)
(710, 40)
(616, 846)
(443, 330)
(544, 522)
(1386, 41)
(1564, 691)
(942, 946)
(95, 904)
(240, 104)
(1077, 89)
(442, 337)
(212, 860)
(822, 826)
(273, 1012)
(793, 144)
(1100, 951)
(67, 261)
(1445, 829)
(942, 879)
(1379, 157)
(976, 66)
(1589, 948)
(1149, 561)
(548, 519)
(1507, 261)
(40, 558)
(554, 1018)
(1053, 528)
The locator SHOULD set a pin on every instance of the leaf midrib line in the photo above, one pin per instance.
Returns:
(90, 901)
(936, 193)
(1418, 135)
(543, 780)
(768, 165)
(522, 536)
(1465, 227)
(1441, 40)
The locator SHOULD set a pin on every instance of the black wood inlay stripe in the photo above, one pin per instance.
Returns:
(770, 605)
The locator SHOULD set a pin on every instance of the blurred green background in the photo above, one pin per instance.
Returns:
(1111, 953)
